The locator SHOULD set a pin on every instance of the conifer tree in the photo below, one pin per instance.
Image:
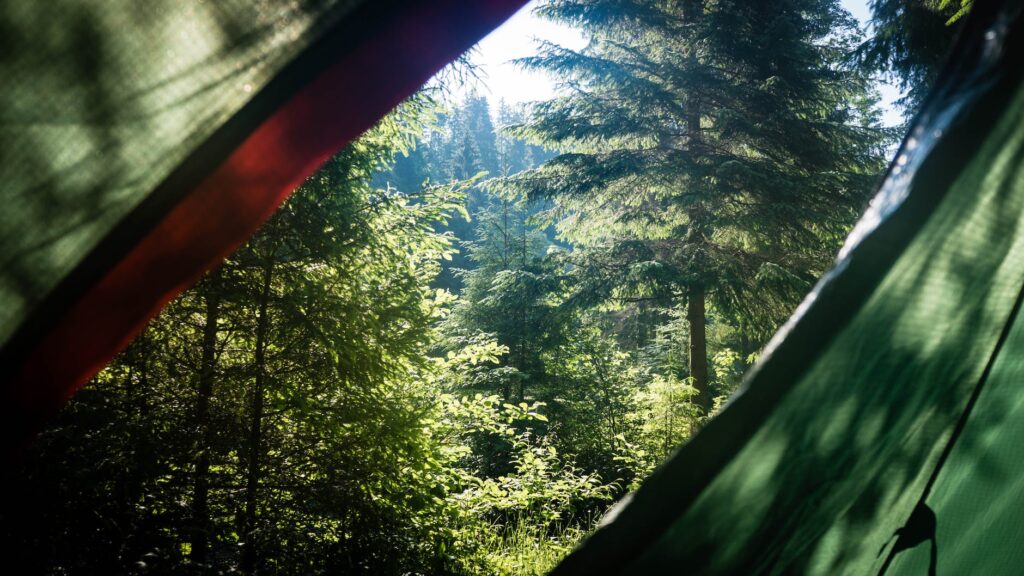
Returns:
(910, 42)
(477, 117)
(713, 153)
(507, 294)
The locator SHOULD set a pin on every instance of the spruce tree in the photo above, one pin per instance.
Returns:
(508, 293)
(909, 43)
(713, 153)
(476, 112)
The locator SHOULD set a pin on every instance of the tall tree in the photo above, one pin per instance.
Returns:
(714, 152)
(909, 42)
(508, 293)
(211, 291)
(476, 112)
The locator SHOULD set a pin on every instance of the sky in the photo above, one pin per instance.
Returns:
(519, 37)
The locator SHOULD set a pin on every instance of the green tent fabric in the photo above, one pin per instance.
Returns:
(141, 142)
(883, 429)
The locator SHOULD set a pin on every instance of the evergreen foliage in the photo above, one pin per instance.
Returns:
(910, 41)
(711, 152)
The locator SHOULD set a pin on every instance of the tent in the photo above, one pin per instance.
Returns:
(880, 433)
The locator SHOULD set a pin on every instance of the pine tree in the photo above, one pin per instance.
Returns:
(507, 294)
(714, 152)
(909, 43)
(476, 111)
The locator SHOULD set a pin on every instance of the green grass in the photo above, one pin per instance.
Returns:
(524, 549)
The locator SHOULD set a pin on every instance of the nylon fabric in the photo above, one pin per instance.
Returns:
(979, 492)
(102, 100)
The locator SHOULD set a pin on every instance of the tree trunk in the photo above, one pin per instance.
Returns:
(695, 313)
(249, 553)
(698, 349)
(745, 343)
(201, 486)
(144, 457)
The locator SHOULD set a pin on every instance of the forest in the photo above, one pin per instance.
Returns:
(481, 325)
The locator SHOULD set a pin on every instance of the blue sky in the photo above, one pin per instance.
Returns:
(518, 37)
